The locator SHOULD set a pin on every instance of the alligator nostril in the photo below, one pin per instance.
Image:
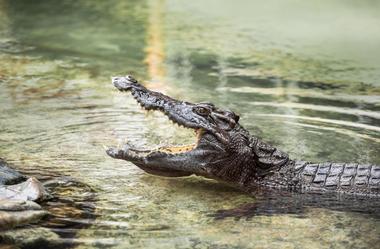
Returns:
(114, 79)
(130, 78)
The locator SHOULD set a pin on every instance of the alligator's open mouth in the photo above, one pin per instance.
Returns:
(175, 149)
(172, 148)
(169, 149)
(164, 160)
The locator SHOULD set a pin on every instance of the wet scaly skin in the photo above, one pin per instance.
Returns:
(226, 151)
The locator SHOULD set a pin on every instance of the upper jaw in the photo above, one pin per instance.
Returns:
(179, 112)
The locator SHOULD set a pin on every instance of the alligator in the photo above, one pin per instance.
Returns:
(227, 152)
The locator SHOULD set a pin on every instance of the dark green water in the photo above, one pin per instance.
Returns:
(303, 76)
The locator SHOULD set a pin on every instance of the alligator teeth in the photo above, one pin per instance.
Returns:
(119, 145)
(177, 149)
(164, 149)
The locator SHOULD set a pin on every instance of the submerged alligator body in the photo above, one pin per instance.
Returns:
(226, 151)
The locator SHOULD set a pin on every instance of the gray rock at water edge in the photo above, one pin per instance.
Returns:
(9, 219)
(9, 176)
(18, 205)
(30, 190)
(15, 213)
(17, 208)
(16, 201)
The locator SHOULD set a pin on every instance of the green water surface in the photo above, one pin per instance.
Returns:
(303, 75)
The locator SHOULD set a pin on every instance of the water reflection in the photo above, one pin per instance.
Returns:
(314, 99)
(270, 203)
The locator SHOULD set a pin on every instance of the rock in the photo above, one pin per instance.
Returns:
(18, 205)
(30, 190)
(15, 213)
(9, 219)
(8, 175)
(16, 201)
(17, 208)
(30, 238)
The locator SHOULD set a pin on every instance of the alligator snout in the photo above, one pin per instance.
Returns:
(124, 83)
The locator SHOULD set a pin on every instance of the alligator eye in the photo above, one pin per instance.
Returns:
(202, 111)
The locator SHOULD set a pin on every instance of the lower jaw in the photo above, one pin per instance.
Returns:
(165, 173)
